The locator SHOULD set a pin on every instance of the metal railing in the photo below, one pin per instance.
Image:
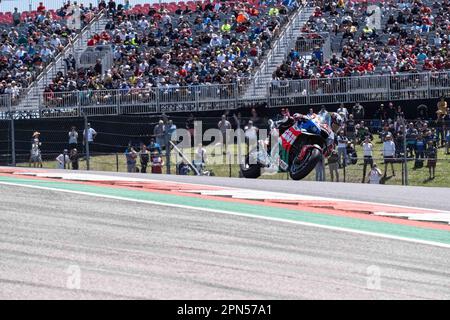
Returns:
(286, 41)
(308, 42)
(173, 98)
(410, 86)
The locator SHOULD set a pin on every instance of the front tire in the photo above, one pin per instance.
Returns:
(301, 168)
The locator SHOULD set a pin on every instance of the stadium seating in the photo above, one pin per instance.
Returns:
(414, 37)
(27, 47)
(188, 44)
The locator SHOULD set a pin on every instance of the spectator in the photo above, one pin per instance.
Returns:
(389, 154)
(144, 156)
(171, 131)
(89, 135)
(73, 138)
(63, 160)
(342, 110)
(447, 143)
(131, 156)
(154, 146)
(432, 159)
(420, 148)
(375, 175)
(251, 133)
(35, 154)
(358, 111)
(16, 17)
(159, 132)
(442, 108)
(333, 165)
(74, 159)
(183, 168)
(157, 163)
(342, 141)
(320, 169)
(223, 126)
(368, 155)
(200, 158)
(41, 8)
(190, 125)
(411, 136)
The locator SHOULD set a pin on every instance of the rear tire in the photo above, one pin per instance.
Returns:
(300, 169)
(250, 171)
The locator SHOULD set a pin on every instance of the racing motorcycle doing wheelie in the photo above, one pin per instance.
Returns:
(295, 145)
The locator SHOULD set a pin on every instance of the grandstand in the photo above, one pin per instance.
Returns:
(214, 55)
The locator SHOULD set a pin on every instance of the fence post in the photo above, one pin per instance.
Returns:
(405, 158)
(117, 162)
(119, 98)
(86, 141)
(236, 95)
(13, 133)
(166, 142)
(158, 106)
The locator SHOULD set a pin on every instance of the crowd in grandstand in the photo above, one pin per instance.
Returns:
(180, 45)
(30, 40)
(412, 36)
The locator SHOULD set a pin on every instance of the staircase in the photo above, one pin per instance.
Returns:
(32, 97)
(276, 56)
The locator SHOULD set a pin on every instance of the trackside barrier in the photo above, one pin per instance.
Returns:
(174, 98)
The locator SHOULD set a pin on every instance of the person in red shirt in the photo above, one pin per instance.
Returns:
(91, 42)
(156, 163)
(182, 73)
(41, 7)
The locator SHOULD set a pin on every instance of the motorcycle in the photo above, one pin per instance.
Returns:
(302, 143)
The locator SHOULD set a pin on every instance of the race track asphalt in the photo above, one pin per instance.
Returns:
(136, 250)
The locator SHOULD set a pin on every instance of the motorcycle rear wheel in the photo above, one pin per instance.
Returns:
(250, 171)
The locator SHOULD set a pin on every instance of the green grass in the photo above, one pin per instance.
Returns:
(416, 177)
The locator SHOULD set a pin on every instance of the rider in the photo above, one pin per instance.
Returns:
(332, 123)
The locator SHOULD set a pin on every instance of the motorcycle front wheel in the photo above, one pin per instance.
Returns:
(301, 168)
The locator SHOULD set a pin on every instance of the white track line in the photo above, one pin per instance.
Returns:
(248, 215)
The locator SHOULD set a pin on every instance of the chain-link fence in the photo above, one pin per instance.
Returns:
(117, 141)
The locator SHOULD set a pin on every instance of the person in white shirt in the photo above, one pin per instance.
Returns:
(374, 175)
(73, 138)
(343, 112)
(389, 154)
(89, 135)
(63, 160)
(342, 149)
(200, 158)
(368, 155)
(251, 133)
